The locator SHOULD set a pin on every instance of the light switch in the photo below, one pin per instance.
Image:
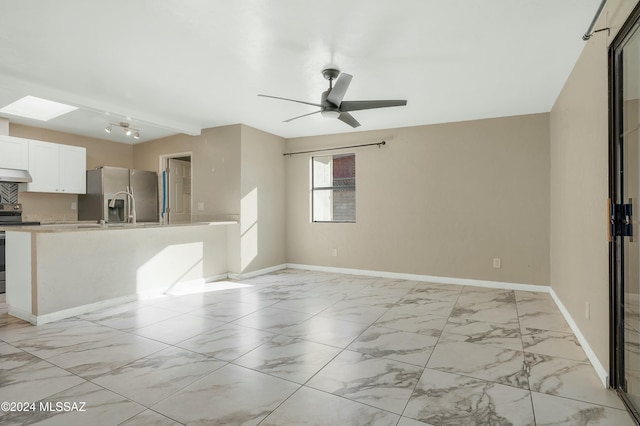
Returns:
(200, 206)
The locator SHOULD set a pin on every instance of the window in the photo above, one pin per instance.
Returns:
(333, 188)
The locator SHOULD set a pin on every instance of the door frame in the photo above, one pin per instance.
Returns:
(616, 194)
(164, 163)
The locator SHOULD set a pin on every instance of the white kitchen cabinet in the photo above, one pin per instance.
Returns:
(56, 168)
(73, 169)
(14, 153)
(44, 167)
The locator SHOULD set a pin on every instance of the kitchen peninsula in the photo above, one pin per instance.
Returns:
(58, 271)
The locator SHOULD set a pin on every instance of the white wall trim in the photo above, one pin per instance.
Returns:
(427, 278)
(25, 316)
(71, 312)
(252, 274)
(595, 362)
(214, 278)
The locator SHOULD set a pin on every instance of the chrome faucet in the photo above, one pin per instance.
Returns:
(132, 208)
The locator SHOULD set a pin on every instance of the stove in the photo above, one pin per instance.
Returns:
(11, 215)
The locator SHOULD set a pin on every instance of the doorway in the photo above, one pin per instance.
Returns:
(176, 188)
(624, 183)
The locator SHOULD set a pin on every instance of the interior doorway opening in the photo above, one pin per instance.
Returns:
(176, 188)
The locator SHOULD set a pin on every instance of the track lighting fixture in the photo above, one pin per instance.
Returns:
(128, 131)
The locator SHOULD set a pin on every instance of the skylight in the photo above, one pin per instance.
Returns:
(37, 108)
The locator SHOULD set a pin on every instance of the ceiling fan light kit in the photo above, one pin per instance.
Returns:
(330, 113)
(331, 104)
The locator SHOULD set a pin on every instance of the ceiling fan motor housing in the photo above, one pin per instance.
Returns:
(330, 73)
(328, 109)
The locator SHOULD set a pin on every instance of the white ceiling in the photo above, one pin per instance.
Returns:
(176, 66)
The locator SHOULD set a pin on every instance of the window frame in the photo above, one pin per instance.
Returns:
(331, 188)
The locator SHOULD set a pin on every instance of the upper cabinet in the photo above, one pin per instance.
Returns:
(44, 166)
(14, 153)
(73, 169)
(56, 168)
(53, 167)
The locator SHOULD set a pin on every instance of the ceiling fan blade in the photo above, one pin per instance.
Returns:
(348, 118)
(291, 100)
(339, 89)
(300, 116)
(360, 105)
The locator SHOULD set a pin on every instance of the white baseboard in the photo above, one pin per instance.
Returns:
(83, 309)
(427, 278)
(25, 316)
(214, 278)
(259, 272)
(71, 312)
(595, 362)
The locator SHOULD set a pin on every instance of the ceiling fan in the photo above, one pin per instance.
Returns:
(331, 103)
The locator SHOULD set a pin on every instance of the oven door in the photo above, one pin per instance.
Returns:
(3, 265)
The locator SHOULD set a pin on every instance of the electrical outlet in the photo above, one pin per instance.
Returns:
(74, 205)
(587, 310)
(334, 252)
(497, 263)
(200, 206)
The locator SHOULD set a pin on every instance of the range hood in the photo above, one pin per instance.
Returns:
(14, 176)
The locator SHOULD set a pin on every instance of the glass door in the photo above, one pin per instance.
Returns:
(625, 212)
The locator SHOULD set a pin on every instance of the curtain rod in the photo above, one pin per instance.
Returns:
(379, 144)
(590, 31)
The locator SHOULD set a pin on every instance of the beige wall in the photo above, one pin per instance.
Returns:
(215, 167)
(57, 207)
(441, 200)
(262, 224)
(238, 173)
(579, 254)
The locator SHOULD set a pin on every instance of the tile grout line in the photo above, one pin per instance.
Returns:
(524, 360)
(315, 285)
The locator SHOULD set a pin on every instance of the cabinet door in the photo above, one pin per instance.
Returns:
(73, 167)
(44, 167)
(14, 153)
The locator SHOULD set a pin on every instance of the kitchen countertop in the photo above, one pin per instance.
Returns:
(92, 226)
(59, 271)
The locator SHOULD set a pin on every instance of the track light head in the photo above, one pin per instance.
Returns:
(128, 131)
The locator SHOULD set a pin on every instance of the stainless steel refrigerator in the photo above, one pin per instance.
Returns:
(104, 182)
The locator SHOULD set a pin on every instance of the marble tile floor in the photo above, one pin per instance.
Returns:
(307, 348)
